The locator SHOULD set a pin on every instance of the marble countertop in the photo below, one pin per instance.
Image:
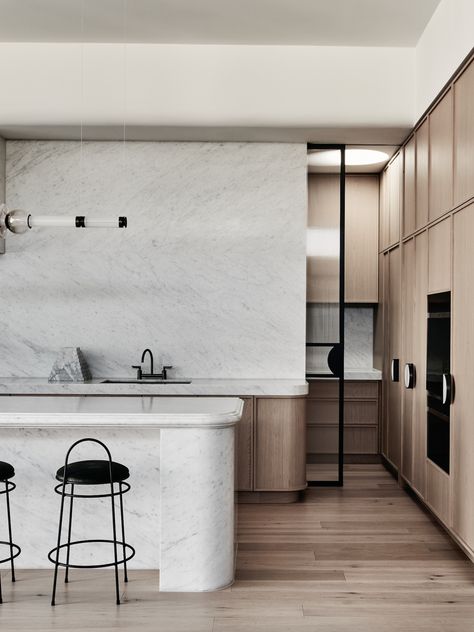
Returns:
(209, 387)
(158, 412)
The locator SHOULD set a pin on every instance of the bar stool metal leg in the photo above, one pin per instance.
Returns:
(114, 529)
(125, 574)
(66, 577)
(10, 530)
(56, 565)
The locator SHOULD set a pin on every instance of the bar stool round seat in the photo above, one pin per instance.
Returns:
(93, 473)
(6, 471)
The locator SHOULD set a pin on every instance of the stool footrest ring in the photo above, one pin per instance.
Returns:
(119, 492)
(119, 544)
(15, 554)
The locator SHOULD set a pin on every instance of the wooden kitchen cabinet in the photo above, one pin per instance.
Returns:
(391, 199)
(422, 173)
(361, 226)
(464, 136)
(441, 136)
(419, 419)
(244, 448)
(280, 444)
(361, 417)
(462, 409)
(391, 412)
(439, 257)
(408, 319)
(362, 212)
(409, 187)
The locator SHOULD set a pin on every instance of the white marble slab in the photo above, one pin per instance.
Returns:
(40, 386)
(179, 513)
(210, 273)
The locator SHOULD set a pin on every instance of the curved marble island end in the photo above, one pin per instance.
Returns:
(195, 509)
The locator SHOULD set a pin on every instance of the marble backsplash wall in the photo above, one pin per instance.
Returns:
(359, 342)
(210, 272)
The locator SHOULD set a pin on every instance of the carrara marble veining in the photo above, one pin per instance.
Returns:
(179, 514)
(210, 272)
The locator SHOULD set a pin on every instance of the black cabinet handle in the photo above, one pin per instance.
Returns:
(448, 388)
(395, 370)
(409, 375)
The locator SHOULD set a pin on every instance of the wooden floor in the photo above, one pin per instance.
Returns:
(363, 558)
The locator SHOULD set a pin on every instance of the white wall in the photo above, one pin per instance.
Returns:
(210, 272)
(232, 86)
(447, 39)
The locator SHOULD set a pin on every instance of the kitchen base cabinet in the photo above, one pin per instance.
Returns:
(271, 449)
(361, 418)
(280, 444)
(244, 448)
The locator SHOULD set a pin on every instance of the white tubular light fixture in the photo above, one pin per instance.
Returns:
(19, 222)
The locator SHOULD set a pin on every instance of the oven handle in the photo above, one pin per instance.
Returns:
(448, 389)
(395, 370)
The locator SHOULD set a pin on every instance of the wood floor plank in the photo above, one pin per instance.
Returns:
(364, 558)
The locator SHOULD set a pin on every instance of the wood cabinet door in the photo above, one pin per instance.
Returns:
(408, 315)
(409, 188)
(419, 360)
(422, 171)
(384, 304)
(384, 214)
(395, 193)
(362, 211)
(244, 448)
(439, 257)
(394, 332)
(464, 136)
(462, 410)
(441, 135)
(280, 444)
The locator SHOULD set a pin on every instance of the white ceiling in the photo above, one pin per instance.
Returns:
(265, 22)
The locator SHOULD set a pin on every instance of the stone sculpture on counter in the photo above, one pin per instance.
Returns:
(70, 366)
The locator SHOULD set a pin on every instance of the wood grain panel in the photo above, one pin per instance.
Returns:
(362, 212)
(244, 448)
(384, 213)
(394, 388)
(419, 355)
(462, 422)
(355, 412)
(409, 187)
(441, 135)
(395, 186)
(439, 257)
(422, 174)
(352, 389)
(464, 136)
(280, 444)
(357, 439)
(408, 300)
(437, 492)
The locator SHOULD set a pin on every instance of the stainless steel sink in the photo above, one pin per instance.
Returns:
(126, 380)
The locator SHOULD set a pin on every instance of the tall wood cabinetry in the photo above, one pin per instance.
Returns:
(432, 265)
(391, 412)
(462, 431)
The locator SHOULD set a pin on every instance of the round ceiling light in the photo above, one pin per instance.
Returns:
(354, 157)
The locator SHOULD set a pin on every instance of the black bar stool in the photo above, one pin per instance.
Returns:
(105, 472)
(6, 472)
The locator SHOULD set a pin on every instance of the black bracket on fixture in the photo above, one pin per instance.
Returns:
(80, 221)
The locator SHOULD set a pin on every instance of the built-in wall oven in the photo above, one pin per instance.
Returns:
(439, 383)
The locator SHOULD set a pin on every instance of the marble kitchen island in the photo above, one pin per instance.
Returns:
(180, 452)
